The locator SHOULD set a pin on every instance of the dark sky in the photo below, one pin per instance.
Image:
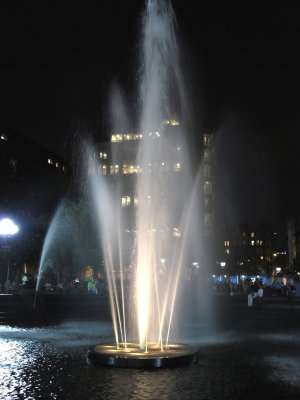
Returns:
(58, 60)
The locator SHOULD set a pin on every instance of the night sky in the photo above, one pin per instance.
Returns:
(59, 59)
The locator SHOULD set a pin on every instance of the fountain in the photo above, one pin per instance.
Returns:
(147, 250)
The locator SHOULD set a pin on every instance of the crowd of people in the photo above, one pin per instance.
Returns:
(77, 286)
(74, 286)
(279, 287)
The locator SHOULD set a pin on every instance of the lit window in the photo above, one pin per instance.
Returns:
(176, 232)
(128, 136)
(252, 234)
(257, 243)
(3, 136)
(102, 169)
(227, 251)
(207, 187)
(174, 122)
(177, 167)
(126, 201)
(131, 169)
(226, 243)
(136, 201)
(206, 155)
(252, 243)
(206, 139)
(260, 242)
(56, 164)
(117, 138)
(50, 161)
(63, 168)
(103, 156)
(208, 219)
(114, 169)
(207, 171)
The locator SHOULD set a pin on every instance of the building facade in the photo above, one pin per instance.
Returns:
(33, 180)
(117, 160)
(209, 180)
(250, 250)
(32, 177)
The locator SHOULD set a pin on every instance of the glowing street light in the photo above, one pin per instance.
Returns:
(7, 228)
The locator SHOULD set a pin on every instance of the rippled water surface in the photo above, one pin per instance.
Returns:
(50, 363)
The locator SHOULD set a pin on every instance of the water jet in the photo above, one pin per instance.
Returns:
(151, 177)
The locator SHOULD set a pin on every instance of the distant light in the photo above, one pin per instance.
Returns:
(8, 227)
(162, 260)
(223, 264)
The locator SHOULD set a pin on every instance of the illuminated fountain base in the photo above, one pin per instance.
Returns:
(132, 356)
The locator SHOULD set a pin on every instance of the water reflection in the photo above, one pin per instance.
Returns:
(14, 358)
(51, 364)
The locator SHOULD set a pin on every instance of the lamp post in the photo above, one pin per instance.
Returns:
(7, 229)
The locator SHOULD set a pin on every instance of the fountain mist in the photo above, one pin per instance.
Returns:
(155, 238)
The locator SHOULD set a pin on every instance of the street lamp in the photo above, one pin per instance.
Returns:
(7, 229)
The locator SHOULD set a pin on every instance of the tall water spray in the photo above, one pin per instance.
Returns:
(149, 246)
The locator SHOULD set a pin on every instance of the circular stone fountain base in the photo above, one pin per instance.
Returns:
(131, 356)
